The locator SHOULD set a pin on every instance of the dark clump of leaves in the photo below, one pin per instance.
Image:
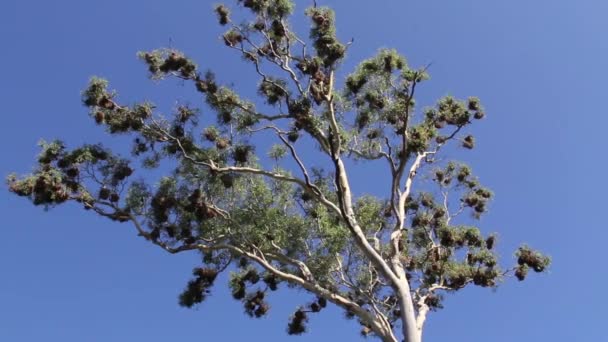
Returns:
(161, 204)
(474, 105)
(57, 178)
(198, 288)
(104, 193)
(278, 29)
(114, 197)
(274, 9)
(222, 143)
(223, 14)
(259, 25)
(322, 302)
(521, 272)
(165, 61)
(293, 136)
(319, 304)
(238, 286)
(273, 90)
(206, 85)
(419, 138)
(96, 93)
(355, 83)
(533, 259)
(310, 66)
(44, 188)
(300, 108)
(490, 241)
(297, 325)
(301, 111)
(211, 134)
(251, 276)
(323, 34)
(255, 306)
(468, 142)
(241, 153)
(232, 38)
(272, 281)
(485, 277)
(227, 180)
(363, 119)
(173, 62)
(120, 172)
(433, 301)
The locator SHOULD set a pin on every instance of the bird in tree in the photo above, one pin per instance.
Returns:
(243, 195)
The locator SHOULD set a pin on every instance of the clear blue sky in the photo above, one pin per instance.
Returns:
(540, 68)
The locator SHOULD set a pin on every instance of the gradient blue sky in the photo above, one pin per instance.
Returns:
(540, 68)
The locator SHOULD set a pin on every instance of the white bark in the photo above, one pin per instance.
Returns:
(393, 272)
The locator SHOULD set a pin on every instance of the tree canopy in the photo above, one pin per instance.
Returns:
(262, 188)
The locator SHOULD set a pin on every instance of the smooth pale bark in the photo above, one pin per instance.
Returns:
(395, 274)
(410, 329)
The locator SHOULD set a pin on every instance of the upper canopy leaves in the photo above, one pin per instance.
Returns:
(277, 215)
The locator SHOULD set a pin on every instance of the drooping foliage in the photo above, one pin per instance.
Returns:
(270, 217)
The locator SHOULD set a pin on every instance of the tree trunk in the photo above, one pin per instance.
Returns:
(411, 333)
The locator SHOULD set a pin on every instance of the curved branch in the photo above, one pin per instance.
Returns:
(307, 282)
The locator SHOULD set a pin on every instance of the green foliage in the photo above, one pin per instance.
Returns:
(452, 112)
(292, 219)
(369, 211)
(532, 259)
(167, 61)
(274, 9)
(378, 67)
(323, 35)
(277, 152)
(420, 137)
(273, 90)
(97, 94)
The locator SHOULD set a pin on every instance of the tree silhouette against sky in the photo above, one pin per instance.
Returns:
(263, 188)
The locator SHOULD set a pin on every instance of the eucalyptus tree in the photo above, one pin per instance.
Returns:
(263, 190)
